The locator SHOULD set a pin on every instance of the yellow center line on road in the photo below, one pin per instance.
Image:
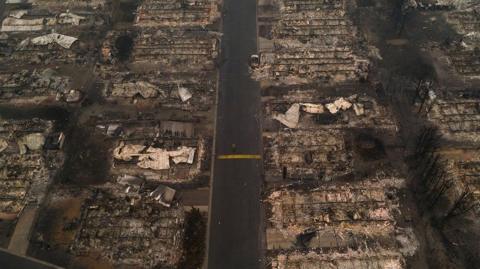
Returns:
(239, 156)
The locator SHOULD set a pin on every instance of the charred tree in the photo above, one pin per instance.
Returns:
(437, 192)
(463, 204)
(427, 142)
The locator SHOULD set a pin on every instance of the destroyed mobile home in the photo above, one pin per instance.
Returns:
(304, 42)
(147, 234)
(165, 151)
(136, 85)
(27, 164)
(339, 225)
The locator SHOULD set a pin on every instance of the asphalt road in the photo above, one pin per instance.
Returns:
(12, 261)
(235, 225)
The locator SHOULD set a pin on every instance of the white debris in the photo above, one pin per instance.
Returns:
(70, 18)
(380, 214)
(183, 155)
(112, 129)
(11, 2)
(459, 4)
(359, 109)
(33, 141)
(432, 95)
(130, 89)
(342, 103)
(12, 24)
(62, 40)
(73, 96)
(18, 14)
(339, 104)
(127, 152)
(129, 180)
(154, 158)
(23, 44)
(291, 117)
(408, 241)
(313, 108)
(164, 195)
(3, 145)
(184, 94)
(352, 98)
(332, 108)
(409, 4)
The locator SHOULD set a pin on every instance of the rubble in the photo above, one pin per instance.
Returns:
(3, 145)
(176, 13)
(127, 152)
(359, 109)
(154, 158)
(176, 51)
(291, 117)
(70, 18)
(142, 88)
(27, 170)
(386, 259)
(313, 108)
(148, 236)
(285, 155)
(14, 24)
(339, 104)
(32, 142)
(38, 86)
(130, 180)
(357, 216)
(184, 94)
(457, 118)
(62, 40)
(309, 42)
(164, 195)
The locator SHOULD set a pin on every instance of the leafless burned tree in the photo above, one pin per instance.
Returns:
(422, 96)
(427, 143)
(430, 177)
(437, 191)
(463, 204)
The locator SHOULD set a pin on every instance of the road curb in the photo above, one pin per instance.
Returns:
(214, 145)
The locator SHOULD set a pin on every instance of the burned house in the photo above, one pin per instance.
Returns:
(313, 138)
(43, 44)
(153, 13)
(304, 41)
(339, 225)
(154, 63)
(29, 162)
(464, 53)
(27, 167)
(160, 148)
(144, 235)
(170, 68)
(457, 116)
